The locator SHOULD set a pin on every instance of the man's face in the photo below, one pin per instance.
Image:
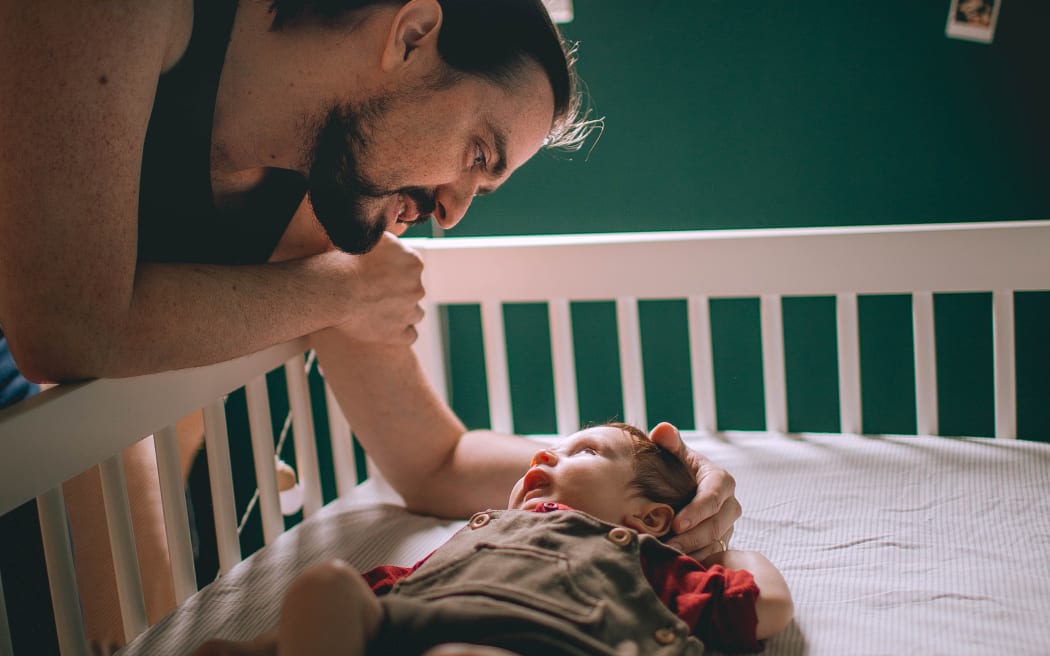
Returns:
(590, 471)
(391, 161)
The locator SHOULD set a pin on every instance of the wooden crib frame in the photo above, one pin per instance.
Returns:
(50, 438)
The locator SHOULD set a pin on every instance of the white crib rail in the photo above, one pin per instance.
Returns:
(54, 436)
(919, 260)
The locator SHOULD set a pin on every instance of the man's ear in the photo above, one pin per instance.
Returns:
(650, 517)
(414, 30)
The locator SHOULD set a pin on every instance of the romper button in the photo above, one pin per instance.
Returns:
(479, 520)
(619, 536)
(665, 636)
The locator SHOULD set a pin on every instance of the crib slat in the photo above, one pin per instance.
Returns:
(496, 366)
(430, 348)
(701, 363)
(773, 363)
(925, 364)
(343, 458)
(303, 433)
(6, 648)
(176, 518)
(850, 410)
(1005, 365)
(220, 475)
(631, 371)
(122, 543)
(54, 530)
(261, 429)
(564, 362)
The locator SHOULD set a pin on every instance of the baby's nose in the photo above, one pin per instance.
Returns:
(544, 457)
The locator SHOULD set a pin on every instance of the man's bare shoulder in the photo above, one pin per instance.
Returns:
(152, 33)
(77, 87)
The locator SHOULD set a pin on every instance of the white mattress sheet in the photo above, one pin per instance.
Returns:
(890, 546)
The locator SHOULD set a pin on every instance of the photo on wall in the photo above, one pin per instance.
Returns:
(973, 20)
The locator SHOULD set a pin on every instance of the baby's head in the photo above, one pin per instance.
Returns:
(613, 472)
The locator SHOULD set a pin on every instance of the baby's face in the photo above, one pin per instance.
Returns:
(590, 471)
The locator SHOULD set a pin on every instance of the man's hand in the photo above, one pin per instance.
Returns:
(709, 517)
(382, 291)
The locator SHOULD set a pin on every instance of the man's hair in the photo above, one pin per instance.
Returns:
(659, 475)
(490, 39)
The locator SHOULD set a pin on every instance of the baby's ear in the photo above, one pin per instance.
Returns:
(650, 517)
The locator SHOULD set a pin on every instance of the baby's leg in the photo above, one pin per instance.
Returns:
(329, 609)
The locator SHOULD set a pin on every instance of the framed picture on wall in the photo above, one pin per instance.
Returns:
(973, 20)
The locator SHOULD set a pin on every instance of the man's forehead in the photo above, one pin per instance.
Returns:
(520, 122)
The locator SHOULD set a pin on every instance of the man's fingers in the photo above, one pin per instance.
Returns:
(713, 481)
(667, 437)
(705, 535)
(709, 517)
(703, 508)
(714, 547)
(715, 487)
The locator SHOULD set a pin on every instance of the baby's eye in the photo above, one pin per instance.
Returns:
(588, 450)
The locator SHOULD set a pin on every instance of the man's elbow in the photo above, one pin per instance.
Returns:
(47, 357)
(436, 494)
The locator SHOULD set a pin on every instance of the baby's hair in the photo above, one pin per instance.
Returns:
(659, 475)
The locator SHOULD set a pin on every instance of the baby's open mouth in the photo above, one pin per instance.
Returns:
(536, 482)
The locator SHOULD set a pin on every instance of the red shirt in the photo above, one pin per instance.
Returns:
(718, 604)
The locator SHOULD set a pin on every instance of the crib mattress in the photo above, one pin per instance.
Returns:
(890, 545)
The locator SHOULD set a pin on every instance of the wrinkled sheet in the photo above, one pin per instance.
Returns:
(902, 545)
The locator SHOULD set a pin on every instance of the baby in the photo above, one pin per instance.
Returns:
(574, 565)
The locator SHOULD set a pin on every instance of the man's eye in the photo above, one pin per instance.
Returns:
(479, 157)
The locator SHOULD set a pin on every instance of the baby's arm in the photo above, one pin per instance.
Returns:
(773, 606)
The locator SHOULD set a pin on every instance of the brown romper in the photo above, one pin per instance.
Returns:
(534, 583)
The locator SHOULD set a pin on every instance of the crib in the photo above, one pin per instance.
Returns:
(890, 543)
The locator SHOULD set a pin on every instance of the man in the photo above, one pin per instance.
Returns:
(186, 182)
(111, 183)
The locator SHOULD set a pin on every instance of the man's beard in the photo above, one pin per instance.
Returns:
(339, 193)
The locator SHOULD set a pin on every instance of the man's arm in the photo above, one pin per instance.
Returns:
(420, 446)
(77, 91)
(427, 454)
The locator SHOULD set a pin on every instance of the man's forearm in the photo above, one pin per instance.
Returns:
(179, 315)
(414, 438)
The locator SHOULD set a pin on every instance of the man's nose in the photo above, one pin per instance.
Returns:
(544, 457)
(452, 205)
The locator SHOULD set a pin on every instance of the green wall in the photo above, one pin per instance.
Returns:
(737, 114)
